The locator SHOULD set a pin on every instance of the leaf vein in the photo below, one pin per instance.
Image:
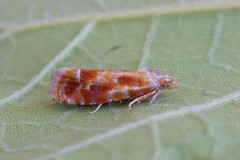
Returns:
(213, 48)
(155, 118)
(78, 39)
(148, 43)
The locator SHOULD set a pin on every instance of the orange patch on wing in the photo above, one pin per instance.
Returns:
(100, 88)
(70, 87)
(134, 93)
(102, 98)
(76, 98)
(71, 84)
(86, 94)
(147, 90)
(68, 73)
(64, 78)
(87, 76)
(61, 80)
(162, 83)
(131, 81)
(117, 96)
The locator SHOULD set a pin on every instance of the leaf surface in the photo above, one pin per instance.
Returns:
(197, 44)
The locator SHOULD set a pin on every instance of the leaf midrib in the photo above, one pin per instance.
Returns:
(128, 13)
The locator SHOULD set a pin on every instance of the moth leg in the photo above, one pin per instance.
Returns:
(96, 109)
(141, 98)
(155, 96)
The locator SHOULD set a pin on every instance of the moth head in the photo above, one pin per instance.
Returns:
(167, 82)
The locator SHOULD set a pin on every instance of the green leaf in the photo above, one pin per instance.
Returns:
(1, 30)
(198, 44)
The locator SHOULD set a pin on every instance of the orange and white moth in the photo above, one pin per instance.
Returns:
(91, 86)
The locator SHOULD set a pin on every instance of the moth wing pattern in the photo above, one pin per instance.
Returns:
(86, 87)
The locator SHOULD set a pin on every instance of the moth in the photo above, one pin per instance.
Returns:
(96, 87)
